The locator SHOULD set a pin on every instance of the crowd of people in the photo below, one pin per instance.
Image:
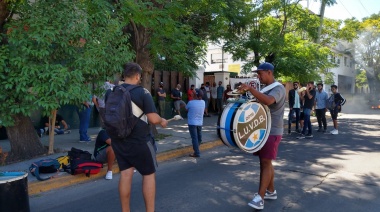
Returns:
(305, 101)
(139, 152)
(215, 97)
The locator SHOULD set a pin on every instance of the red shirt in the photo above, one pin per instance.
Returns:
(190, 94)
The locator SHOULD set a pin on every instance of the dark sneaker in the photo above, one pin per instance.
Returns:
(257, 202)
(270, 195)
(298, 131)
(319, 130)
(302, 136)
(309, 135)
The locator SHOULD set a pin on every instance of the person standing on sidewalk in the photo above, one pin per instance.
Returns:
(84, 113)
(161, 95)
(213, 92)
(190, 93)
(176, 96)
(206, 99)
(219, 97)
(308, 99)
(321, 99)
(136, 151)
(275, 100)
(225, 94)
(195, 110)
(335, 102)
(294, 107)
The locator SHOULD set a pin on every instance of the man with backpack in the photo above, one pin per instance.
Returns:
(335, 103)
(130, 134)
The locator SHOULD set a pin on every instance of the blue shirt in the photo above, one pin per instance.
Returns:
(195, 112)
(219, 92)
(321, 99)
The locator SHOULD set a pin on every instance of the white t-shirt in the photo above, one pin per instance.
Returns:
(207, 91)
(213, 92)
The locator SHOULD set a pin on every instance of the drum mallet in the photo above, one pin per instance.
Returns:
(176, 117)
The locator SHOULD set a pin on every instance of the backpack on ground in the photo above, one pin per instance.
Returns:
(48, 165)
(64, 160)
(75, 153)
(119, 118)
(86, 167)
(81, 163)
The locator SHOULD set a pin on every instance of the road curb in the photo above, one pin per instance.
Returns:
(65, 179)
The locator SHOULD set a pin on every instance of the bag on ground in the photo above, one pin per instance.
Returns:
(48, 165)
(64, 160)
(75, 153)
(87, 167)
(81, 163)
(119, 118)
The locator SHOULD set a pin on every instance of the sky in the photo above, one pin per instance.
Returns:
(346, 8)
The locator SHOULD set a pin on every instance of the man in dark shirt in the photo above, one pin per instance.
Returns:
(161, 95)
(309, 99)
(136, 151)
(103, 152)
(225, 94)
(177, 99)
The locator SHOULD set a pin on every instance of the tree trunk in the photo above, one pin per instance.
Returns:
(23, 138)
(4, 15)
(52, 119)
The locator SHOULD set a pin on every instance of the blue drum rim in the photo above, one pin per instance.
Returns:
(226, 133)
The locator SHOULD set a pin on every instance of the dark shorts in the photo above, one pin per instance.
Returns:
(301, 115)
(269, 150)
(102, 156)
(141, 156)
(334, 114)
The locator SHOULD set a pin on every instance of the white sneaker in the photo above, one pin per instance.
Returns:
(257, 202)
(109, 175)
(335, 132)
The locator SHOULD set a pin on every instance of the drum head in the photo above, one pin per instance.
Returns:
(251, 126)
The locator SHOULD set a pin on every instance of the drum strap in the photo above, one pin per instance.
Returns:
(270, 87)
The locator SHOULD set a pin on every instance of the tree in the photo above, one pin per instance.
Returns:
(176, 30)
(54, 54)
(368, 51)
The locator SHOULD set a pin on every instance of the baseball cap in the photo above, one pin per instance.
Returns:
(265, 66)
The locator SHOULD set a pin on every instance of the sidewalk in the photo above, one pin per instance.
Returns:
(176, 143)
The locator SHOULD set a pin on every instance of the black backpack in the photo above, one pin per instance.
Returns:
(81, 162)
(119, 118)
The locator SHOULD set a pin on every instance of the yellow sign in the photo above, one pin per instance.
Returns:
(234, 68)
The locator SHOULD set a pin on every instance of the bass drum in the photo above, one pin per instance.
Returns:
(245, 126)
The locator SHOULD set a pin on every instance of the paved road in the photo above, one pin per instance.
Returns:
(326, 173)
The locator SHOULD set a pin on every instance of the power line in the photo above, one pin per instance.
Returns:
(363, 6)
(346, 9)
